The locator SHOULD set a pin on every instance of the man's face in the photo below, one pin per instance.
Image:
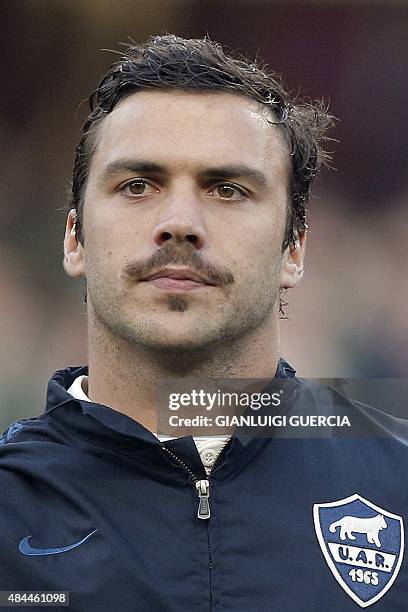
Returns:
(187, 184)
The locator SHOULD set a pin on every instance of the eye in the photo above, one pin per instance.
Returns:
(229, 191)
(137, 187)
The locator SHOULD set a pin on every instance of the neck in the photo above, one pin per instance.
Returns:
(126, 377)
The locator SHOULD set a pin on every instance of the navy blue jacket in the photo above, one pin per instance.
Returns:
(91, 503)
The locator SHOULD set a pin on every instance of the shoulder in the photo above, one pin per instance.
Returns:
(333, 397)
(33, 450)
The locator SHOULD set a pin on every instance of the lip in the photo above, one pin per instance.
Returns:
(177, 279)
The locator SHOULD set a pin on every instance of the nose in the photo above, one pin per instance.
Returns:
(180, 221)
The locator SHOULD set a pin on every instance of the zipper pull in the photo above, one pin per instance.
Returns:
(203, 488)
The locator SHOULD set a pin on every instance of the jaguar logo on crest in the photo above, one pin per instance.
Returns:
(363, 545)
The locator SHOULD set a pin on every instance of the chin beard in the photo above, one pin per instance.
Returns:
(177, 303)
(199, 340)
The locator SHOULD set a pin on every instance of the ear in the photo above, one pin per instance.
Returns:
(292, 263)
(74, 264)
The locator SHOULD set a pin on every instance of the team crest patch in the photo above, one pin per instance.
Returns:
(363, 545)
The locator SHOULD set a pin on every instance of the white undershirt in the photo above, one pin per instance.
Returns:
(209, 447)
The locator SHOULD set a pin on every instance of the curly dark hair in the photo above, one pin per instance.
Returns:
(170, 62)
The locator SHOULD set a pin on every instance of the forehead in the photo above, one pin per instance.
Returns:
(191, 129)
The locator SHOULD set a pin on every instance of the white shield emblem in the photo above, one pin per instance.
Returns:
(363, 545)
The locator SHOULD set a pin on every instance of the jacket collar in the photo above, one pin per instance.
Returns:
(107, 422)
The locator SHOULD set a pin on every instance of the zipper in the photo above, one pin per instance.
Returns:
(202, 485)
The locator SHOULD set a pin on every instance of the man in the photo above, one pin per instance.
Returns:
(187, 220)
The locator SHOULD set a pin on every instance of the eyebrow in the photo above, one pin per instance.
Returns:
(235, 172)
(216, 173)
(130, 165)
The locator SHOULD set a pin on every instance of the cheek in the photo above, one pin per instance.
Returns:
(103, 261)
(111, 241)
(256, 249)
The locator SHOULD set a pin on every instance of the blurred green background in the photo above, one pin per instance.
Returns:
(349, 316)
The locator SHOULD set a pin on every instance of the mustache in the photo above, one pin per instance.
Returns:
(166, 256)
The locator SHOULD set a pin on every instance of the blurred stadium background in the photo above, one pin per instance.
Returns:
(349, 316)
